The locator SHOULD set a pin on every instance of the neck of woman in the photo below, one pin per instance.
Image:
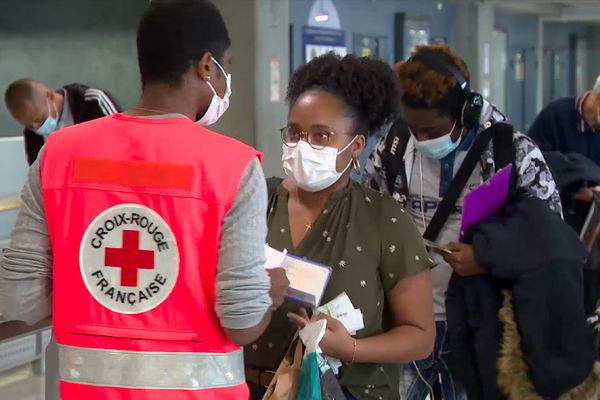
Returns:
(318, 200)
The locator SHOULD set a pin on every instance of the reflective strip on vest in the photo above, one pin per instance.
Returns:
(151, 370)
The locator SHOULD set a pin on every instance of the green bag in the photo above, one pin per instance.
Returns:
(310, 382)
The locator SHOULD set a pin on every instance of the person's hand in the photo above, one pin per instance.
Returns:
(587, 194)
(279, 286)
(462, 259)
(336, 343)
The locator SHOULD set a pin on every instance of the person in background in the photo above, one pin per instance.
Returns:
(570, 125)
(442, 118)
(143, 233)
(43, 111)
(370, 242)
(567, 131)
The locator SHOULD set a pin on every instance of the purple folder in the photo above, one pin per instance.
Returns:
(486, 200)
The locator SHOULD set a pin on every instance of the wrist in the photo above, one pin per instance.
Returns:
(351, 354)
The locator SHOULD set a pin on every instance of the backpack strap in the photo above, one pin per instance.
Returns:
(272, 185)
(393, 157)
(447, 205)
(504, 153)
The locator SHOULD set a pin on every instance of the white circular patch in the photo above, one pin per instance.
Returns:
(129, 259)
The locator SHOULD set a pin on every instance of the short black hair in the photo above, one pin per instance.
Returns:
(174, 34)
(19, 92)
(366, 85)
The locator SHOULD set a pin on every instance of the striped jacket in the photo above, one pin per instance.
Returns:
(86, 104)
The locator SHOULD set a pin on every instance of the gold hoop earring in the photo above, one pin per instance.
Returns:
(356, 166)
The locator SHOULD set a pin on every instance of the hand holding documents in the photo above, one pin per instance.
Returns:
(308, 279)
(486, 200)
(341, 308)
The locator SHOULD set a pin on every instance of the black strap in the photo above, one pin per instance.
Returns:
(272, 185)
(504, 153)
(447, 205)
(393, 159)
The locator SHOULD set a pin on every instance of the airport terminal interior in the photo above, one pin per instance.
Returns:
(522, 56)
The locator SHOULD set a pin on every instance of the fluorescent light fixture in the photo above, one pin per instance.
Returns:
(322, 17)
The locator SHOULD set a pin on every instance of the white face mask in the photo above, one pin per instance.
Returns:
(218, 105)
(313, 170)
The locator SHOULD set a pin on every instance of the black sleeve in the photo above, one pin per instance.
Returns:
(542, 133)
(99, 103)
(114, 101)
(33, 144)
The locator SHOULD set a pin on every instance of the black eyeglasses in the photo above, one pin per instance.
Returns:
(317, 139)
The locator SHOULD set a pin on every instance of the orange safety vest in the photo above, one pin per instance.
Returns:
(134, 209)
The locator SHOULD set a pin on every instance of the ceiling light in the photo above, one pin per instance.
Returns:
(322, 16)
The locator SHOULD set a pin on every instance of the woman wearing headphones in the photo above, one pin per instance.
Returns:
(442, 119)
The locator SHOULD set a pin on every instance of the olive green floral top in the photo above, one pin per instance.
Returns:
(371, 243)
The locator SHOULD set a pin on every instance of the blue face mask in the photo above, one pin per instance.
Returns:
(51, 123)
(437, 148)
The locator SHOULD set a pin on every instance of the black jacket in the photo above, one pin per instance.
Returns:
(572, 173)
(86, 104)
(530, 250)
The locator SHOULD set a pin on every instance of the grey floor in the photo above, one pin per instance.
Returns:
(21, 384)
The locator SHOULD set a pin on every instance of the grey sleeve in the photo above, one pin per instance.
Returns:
(242, 284)
(26, 264)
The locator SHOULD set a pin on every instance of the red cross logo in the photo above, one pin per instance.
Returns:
(129, 258)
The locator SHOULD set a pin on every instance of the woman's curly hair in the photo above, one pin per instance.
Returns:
(422, 86)
(367, 87)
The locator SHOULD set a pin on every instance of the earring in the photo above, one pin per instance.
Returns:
(356, 166)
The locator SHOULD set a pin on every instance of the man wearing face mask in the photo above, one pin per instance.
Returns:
(144, 232)
(43, 111)
(442, 119)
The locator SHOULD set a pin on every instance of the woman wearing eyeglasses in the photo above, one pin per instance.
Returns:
(375, 251)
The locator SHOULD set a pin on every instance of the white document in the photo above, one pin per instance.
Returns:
(342, 309)
(308, 280)
(274, 257)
